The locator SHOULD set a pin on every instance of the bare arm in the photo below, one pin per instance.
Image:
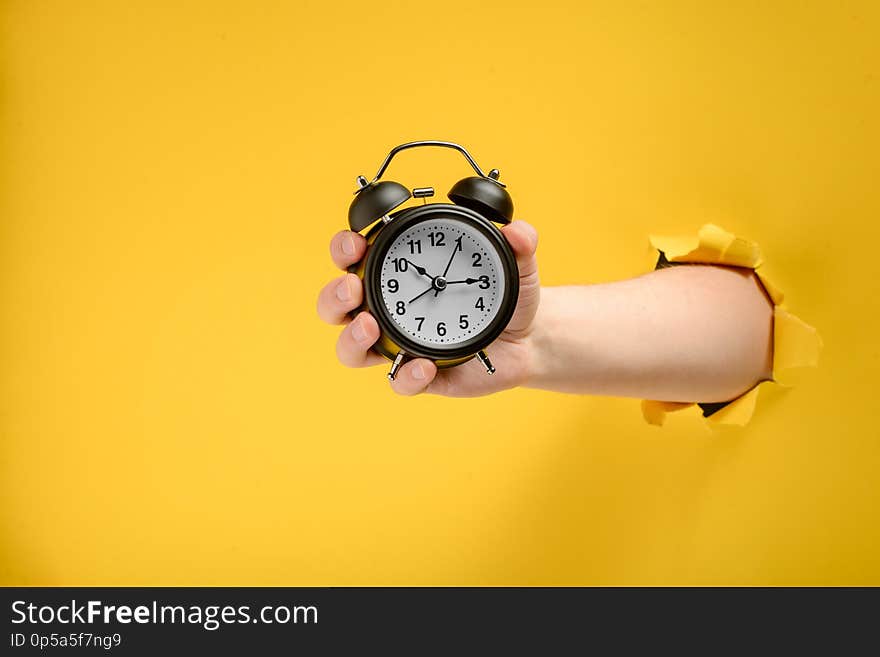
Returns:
(687, 333)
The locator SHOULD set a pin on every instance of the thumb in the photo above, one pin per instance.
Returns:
(523, 239)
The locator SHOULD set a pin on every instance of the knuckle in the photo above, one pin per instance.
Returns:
(345, 358)
(368, 323)
(345, 350)
(401, 389)
(325, 313)
(438, 386)
(335, 244)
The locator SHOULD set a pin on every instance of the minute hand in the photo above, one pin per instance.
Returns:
(454, 251)
(469, 281)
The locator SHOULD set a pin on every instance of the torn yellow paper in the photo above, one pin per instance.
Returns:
(740, 410)
(655, 412)
(775, 294)
(795, 343)
(712, 245)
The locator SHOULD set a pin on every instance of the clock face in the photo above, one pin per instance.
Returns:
(442, 282)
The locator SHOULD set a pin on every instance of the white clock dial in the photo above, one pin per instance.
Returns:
(442, 282)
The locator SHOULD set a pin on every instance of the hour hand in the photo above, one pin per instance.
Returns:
(420, 270)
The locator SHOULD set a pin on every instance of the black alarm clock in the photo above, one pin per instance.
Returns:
(440, 278)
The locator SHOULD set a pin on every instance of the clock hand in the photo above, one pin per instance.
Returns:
(469, 281)
(420, 270)
(421, 294)
(455, 250)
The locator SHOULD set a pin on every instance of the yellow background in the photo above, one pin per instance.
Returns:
(170, 406)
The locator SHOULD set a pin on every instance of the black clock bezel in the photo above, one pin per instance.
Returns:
(372, 272)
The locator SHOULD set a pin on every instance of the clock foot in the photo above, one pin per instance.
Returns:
(395, 366)
(484, 359)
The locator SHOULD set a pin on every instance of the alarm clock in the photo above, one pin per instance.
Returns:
(440, 278)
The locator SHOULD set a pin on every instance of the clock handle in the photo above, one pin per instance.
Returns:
(442, 144)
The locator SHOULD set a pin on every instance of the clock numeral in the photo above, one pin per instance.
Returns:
(400, 264)
(393, 285)
(441, 328)
(484, 282)
(401, 308)
(437, 239)
(478, 260)
(420, 320)
(415, 246)
(479, 304)
(463, 321)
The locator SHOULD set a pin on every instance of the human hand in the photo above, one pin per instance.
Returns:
(511, 353)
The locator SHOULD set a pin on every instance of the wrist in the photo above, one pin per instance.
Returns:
(540, 343)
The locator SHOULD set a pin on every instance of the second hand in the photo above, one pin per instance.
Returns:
(421, 294)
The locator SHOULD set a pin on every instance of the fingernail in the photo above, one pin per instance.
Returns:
(358, 332)
(418, 372)
(348, 245)
(343, 292)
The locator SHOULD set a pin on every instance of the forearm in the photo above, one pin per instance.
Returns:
(691, 333)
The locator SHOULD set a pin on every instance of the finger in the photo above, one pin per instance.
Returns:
(339, 297)
(414, 377)
(347, 248)
(523, 239)
(353, 345)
